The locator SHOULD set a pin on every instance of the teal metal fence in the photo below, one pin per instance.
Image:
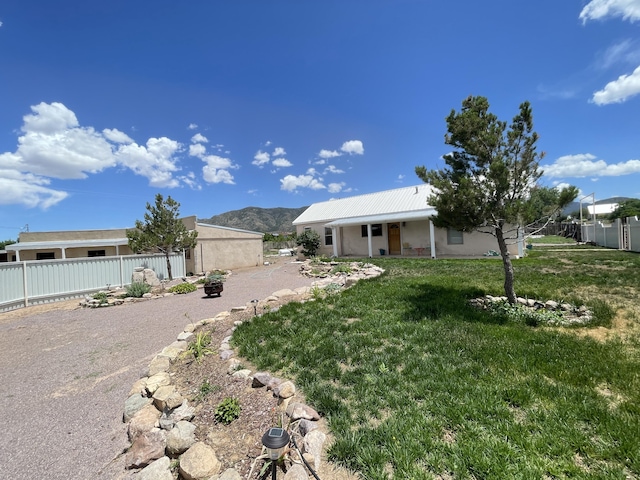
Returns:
(43, 281)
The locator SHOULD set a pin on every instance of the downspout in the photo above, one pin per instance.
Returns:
(369, 240)
(432, 238)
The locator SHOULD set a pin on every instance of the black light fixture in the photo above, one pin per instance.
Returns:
(255, 306)
(275, 440)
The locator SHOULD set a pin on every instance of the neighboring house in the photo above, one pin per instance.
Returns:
(217, 247)
(392, 222)
(607, 206)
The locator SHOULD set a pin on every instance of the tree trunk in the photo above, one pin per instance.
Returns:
(166, 254)
(509, 291)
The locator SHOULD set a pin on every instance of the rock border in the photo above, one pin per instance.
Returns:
(159, 418)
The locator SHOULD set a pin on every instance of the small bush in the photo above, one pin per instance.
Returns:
(102, 296)
(206, 388)
(138, 289)
(341, 268)
(185, 287)
(310, 241)
(228, 410)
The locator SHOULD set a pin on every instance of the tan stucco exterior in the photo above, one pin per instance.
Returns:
(415, 240)
(217, 247)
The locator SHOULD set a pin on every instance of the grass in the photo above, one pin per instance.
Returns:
(416, 384)
(552, 240)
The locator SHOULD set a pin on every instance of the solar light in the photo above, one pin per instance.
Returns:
(274, 440)
(255, 306)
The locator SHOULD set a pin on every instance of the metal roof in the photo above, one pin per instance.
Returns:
(389, 203)
(98, 242)
(384, 218)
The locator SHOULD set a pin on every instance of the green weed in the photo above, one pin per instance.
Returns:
(228, 410)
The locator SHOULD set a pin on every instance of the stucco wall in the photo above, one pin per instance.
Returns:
(224, 249)
(72, 235)
(413, 235)
(75, 252)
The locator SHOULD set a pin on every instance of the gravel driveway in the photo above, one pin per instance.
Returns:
(64, 374)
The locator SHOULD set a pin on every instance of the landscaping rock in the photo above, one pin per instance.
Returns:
(133, 404)
(157, 470)
(199, 462)
(181, 437)
(143, 421)
(147, 447)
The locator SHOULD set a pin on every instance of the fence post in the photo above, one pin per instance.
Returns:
(121, 272)
(24, 284)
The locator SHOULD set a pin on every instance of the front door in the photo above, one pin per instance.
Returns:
(393, 230)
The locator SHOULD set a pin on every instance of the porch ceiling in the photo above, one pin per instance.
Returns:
(14, 247)
(384, 218)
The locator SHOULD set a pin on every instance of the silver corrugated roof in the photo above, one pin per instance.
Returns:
(14, 247)
(389, 202)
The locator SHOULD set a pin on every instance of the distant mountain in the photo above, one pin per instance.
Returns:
(256, 219)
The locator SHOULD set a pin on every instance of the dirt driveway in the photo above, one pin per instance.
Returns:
(65, 373)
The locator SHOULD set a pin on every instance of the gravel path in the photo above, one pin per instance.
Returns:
(64, 374)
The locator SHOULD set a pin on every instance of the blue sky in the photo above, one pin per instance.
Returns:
(228, 104)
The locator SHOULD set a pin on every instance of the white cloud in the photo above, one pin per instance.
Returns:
(617, 91)
(586, 165)
(28, 189)
(155, 161)
(353, 147)
(190, 180)
(329, 153)
(333, 169)
(192, 126)
(312, 171)
(291, 183)
(214, 175)
(336, 187)
(601, 9)
(625, 52)
(199, 138)
(278, 152)
(197, 150)
(116, 136)
(261, 158)
(282, 163)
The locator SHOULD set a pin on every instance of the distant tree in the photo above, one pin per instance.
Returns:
(310, 241)
(4, 243)
(543, 206)
(490, 180)
(161, 231)
(628, 208)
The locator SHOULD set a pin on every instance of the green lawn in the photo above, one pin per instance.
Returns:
(416, 384)
(552, 239)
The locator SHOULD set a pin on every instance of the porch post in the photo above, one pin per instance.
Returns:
(334, 240)
(369, 240)
(64, 253)
(432, 238)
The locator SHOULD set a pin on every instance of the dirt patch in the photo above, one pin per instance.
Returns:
(6, 317)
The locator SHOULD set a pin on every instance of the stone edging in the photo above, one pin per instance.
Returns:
(158, 417)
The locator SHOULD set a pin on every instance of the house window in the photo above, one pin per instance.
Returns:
(454, 237)
(306, 229)
(96, 253)
(45, 256)
(376, 230)
(328, 236)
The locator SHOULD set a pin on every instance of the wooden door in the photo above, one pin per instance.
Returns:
(393, 230)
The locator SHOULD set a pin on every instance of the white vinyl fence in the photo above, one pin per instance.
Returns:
(620, 234)
(42, 281)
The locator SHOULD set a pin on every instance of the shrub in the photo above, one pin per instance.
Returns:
(102, 296)
(185, 287)
(228, 410)
(310, 241)
(138, 289)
